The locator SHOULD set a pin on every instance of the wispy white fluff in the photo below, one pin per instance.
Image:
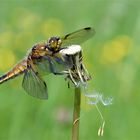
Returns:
(96, 97)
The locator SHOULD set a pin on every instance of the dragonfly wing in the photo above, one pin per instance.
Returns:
(56, 64)
(59, 64)
(34, 85)
(42, 66)
(77, 37)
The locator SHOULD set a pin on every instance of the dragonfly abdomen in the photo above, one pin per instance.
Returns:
(20, 68)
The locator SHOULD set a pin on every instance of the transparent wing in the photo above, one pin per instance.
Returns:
(56, 64)
(42, 65)
(34, 85)
(77, 37)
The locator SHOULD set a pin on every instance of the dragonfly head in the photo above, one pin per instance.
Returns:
(54, 43)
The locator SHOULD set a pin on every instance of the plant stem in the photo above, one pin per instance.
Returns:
(76, 114)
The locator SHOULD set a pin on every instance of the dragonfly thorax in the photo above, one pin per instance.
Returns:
(54, 43)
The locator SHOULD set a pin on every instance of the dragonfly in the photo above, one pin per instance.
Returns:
(47, 57)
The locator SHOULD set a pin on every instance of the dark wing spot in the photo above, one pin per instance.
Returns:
(87, 28)
(45, 84)
(66, 36)
(36, 73)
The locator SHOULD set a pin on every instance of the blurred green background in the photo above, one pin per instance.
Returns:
(112, 58)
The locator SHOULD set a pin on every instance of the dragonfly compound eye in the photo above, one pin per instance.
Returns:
(54, 43)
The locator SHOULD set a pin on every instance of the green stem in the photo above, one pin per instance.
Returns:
(76, 114)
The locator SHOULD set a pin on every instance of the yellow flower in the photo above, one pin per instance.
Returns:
(28, 20)
(114, 51)
(51, 26)
(6, 38)
(7, 59)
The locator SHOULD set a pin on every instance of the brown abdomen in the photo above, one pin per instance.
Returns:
(15, 71)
